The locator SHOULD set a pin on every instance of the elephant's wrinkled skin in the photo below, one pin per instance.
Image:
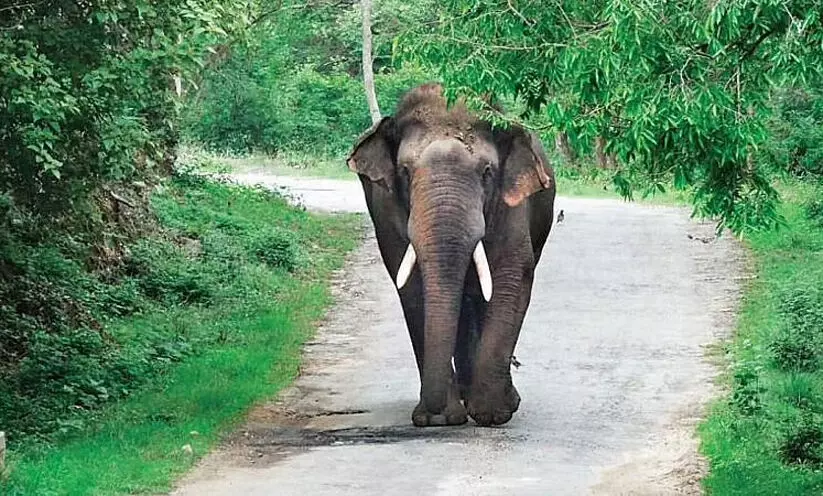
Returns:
(443, 181)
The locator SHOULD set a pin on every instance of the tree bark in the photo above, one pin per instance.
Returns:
(561, 144)
(600, 152)
(368, 69)
(604, 160)
(2, 453)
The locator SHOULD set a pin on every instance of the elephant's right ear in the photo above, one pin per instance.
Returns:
(374, 154)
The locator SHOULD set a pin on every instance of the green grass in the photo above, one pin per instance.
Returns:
(766, 436)
(238, 345)
(590, 182)
(284, 164)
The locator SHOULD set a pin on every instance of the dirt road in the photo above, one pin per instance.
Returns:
(614, 374)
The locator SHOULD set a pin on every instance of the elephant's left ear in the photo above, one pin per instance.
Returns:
(374, 153)
(525, 169)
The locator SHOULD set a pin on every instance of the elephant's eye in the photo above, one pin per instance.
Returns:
(487, 172)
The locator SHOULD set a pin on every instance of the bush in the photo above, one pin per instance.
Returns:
(746, 395)
(797, 349)
(62, 375)
(802, 441)
(814, 211)
(84, 103)
(167, 276)
(796, 142)
(295, 86)
(277, 248)
(301, 111)
(64, 348)
(799, 345)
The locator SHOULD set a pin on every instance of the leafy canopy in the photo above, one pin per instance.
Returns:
(87, 90)
(679, 90)
(294, 86)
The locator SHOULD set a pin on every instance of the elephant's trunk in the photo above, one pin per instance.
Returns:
(445, 226)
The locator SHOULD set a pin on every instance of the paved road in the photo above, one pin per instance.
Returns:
(614, 374)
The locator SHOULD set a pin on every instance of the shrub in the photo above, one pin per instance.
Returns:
(82, 102)
(166, 275)
(796, 349)
(799, 344)
(277, 248)
(62, 375)
(120, 299)
(746, 395)
(300, 111)
(796, 144)
(801, 441)
(65, 350)
(814, 211)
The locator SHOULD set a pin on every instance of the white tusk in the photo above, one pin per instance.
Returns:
(484, 273)
(406, 266)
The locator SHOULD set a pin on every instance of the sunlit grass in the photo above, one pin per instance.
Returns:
(247, 347)
(772, 412)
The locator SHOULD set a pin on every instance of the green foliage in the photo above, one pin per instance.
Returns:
(276, 248)
(802, 441)
(87, 90)
(814, 211)
(767, 436)
(86, 101)
(295, 85)
(131, 392)
(165, 274)
(678, 89)
(797, 349)
(63, 353)
(799, 345)
(796, 142)
(746, 396)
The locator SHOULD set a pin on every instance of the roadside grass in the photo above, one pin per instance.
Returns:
(766, 435)
(293, 164)
(231, 308)
(586, 180)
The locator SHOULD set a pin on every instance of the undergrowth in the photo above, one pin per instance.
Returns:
(198, 319)
(766, 437)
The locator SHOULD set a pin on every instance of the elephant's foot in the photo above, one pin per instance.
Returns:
(453, 414)
(493, 408)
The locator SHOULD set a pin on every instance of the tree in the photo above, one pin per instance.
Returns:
(368, 70)
(677, 90)
(87, 90)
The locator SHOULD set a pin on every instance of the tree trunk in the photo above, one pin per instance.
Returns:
(600, 152)
(368, 70)
(561, 144)
(611, 160)
(604, 160)
(2, 453)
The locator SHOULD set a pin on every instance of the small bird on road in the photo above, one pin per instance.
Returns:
(560, 217)
(699, 238)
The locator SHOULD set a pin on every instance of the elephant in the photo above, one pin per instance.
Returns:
(461, 211)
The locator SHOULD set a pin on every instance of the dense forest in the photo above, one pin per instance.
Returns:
(102, 225)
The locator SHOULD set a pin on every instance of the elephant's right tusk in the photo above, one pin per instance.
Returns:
(406, 266)
(484, 273)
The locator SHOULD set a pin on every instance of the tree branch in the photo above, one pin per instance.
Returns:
(22, 6)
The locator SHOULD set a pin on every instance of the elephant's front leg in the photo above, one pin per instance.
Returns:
(493, 398)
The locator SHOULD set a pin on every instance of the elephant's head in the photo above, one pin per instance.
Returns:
(450, 174)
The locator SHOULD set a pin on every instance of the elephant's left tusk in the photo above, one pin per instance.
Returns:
(406, 266)
(484, 273)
